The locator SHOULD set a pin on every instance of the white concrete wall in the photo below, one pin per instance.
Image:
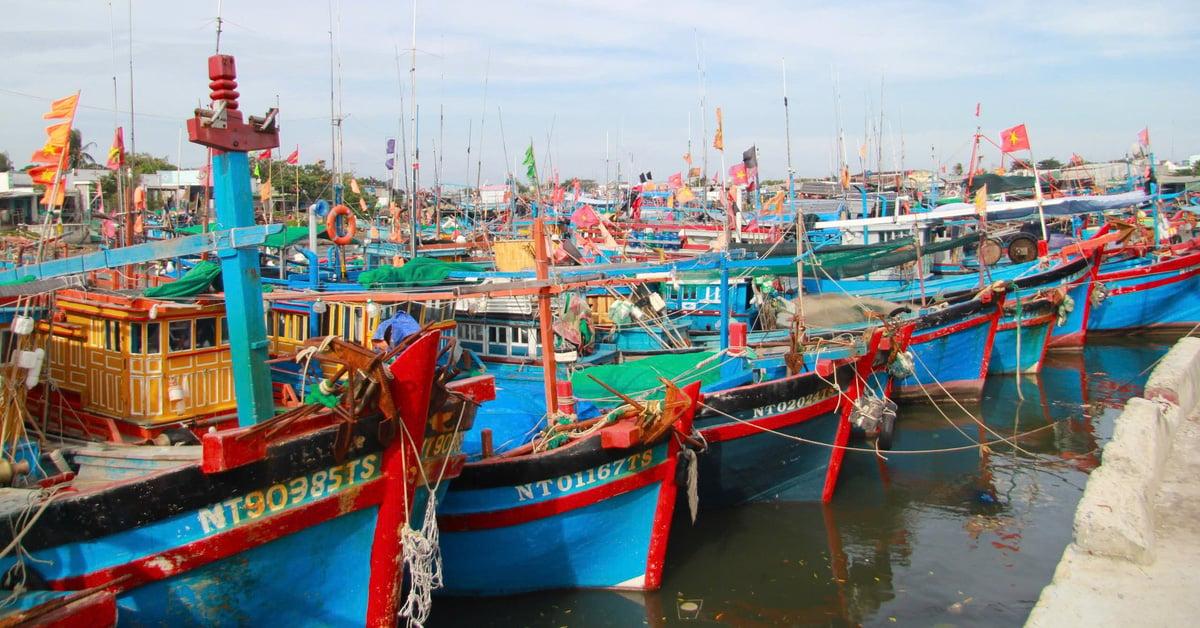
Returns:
(1115, 518)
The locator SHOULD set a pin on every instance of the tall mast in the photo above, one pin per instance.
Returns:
(416, 147)
(801, 236)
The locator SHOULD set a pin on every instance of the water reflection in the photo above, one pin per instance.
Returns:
(956, 535)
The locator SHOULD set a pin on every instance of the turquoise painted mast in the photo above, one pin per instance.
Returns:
(222, 129)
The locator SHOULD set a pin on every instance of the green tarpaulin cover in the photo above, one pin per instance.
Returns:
(196, 281)
(288, 237)
(420, 271)
(638, 377)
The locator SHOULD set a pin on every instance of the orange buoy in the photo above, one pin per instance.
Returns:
(331, 229)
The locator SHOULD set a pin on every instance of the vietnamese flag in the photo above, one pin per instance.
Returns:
(1014, 139)
(1144, 136)
(737, 174)
(43, 175)
(266, 154)
(294, 158)
(675, 180)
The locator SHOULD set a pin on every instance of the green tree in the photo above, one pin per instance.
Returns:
(5, 163)
(1049, 164)
(1196, 168)
(79, 157)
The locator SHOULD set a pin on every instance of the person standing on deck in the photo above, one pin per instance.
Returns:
(391, 331)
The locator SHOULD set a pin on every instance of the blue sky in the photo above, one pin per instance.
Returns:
(593, 83)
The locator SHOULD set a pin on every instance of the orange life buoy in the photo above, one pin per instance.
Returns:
(331, 229)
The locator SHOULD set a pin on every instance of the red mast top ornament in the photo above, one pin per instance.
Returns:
(221, 127)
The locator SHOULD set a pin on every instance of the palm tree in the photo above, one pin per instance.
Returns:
(78, 158)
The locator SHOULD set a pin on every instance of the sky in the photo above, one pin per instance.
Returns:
(596, 86)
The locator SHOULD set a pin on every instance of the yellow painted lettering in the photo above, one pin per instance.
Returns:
(255, 504)
(277, 497)
(298, 488)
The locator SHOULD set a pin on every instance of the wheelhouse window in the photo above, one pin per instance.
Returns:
(112, 335)
(206, 332)
(153, 338)
(180, 333)
(224, 331)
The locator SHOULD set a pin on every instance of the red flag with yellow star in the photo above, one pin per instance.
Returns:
(1014, 139)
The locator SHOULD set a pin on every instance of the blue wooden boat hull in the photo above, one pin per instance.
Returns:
(600, 525)
(951, 349)
(778, 440)
(1145, 294)
(1021, 337)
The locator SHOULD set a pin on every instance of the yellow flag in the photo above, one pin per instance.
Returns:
(354, 186)
(775, 205)
(981, 199)
(684, 195)
(719, 140)
(62, 108)
(264, 192)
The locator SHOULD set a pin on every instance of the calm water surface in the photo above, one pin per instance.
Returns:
(955, 535)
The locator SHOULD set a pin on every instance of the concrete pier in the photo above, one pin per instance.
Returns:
(1135, 558)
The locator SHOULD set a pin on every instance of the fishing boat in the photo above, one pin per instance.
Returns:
(587, 505)
(197, 529)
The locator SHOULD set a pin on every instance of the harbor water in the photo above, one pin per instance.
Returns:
(944, 532)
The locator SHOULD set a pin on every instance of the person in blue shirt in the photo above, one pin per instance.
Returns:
(391, 331)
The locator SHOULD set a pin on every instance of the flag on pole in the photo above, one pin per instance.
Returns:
(58, 137)
(50, 198)
(257, 174)
(43, 175)
(675, 180)
(750, 160)
(62, 108)
(266, 154)
(294, 158)
(116, 154)
(719, 140)
(391, 146)
(977, 109)
(1014, 139)
(684, 195)
(530, 163)
(688, 158)
(737, 174)
(264, 192)
(1144, 136)
(981, 199)
(354, 186)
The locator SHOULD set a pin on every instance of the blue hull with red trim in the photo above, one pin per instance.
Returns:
(592, 528)
(293, 522)
(1022, 335)
(1145, 293)
(951, 349)
(593, 513)
(781, 439)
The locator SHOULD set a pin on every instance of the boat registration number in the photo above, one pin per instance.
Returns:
(283, 495)
(579, 480)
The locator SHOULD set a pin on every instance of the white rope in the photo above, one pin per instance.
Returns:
(692, 483)
(423, 562)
